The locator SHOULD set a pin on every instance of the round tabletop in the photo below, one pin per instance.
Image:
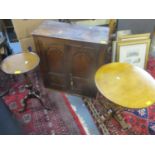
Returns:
(20, 63)
(126, 85)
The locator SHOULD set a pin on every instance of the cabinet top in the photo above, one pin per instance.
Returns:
(92, 34)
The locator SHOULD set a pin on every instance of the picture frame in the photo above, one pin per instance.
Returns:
(121, 33)
(133, 51)
(132, 37)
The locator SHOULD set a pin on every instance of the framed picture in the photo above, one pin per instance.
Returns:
(120, 34)
(132, 37)
(133, 51)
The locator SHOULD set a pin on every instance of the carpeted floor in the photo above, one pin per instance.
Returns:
(60, 120)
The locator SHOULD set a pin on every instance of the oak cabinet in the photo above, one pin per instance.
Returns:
(68, 62)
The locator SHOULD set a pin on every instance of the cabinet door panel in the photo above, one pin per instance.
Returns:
(55, 58)
(82, 64)
(52, 54)
(55, 81)
(52, 63)
(82, 61)
(81, 86)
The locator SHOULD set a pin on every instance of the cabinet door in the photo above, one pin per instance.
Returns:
(52, 64)
(82, 65)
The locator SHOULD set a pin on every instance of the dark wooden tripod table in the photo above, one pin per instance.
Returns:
(23, 63)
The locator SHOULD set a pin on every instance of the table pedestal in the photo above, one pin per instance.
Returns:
(33, 93)
(107, 110)
(112, 110)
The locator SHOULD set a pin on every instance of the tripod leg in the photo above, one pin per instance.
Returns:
(121, 121)
(24, 103)
(41, 102)
(30, 96)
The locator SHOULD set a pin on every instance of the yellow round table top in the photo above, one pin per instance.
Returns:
(20, 63)
(126, 85)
